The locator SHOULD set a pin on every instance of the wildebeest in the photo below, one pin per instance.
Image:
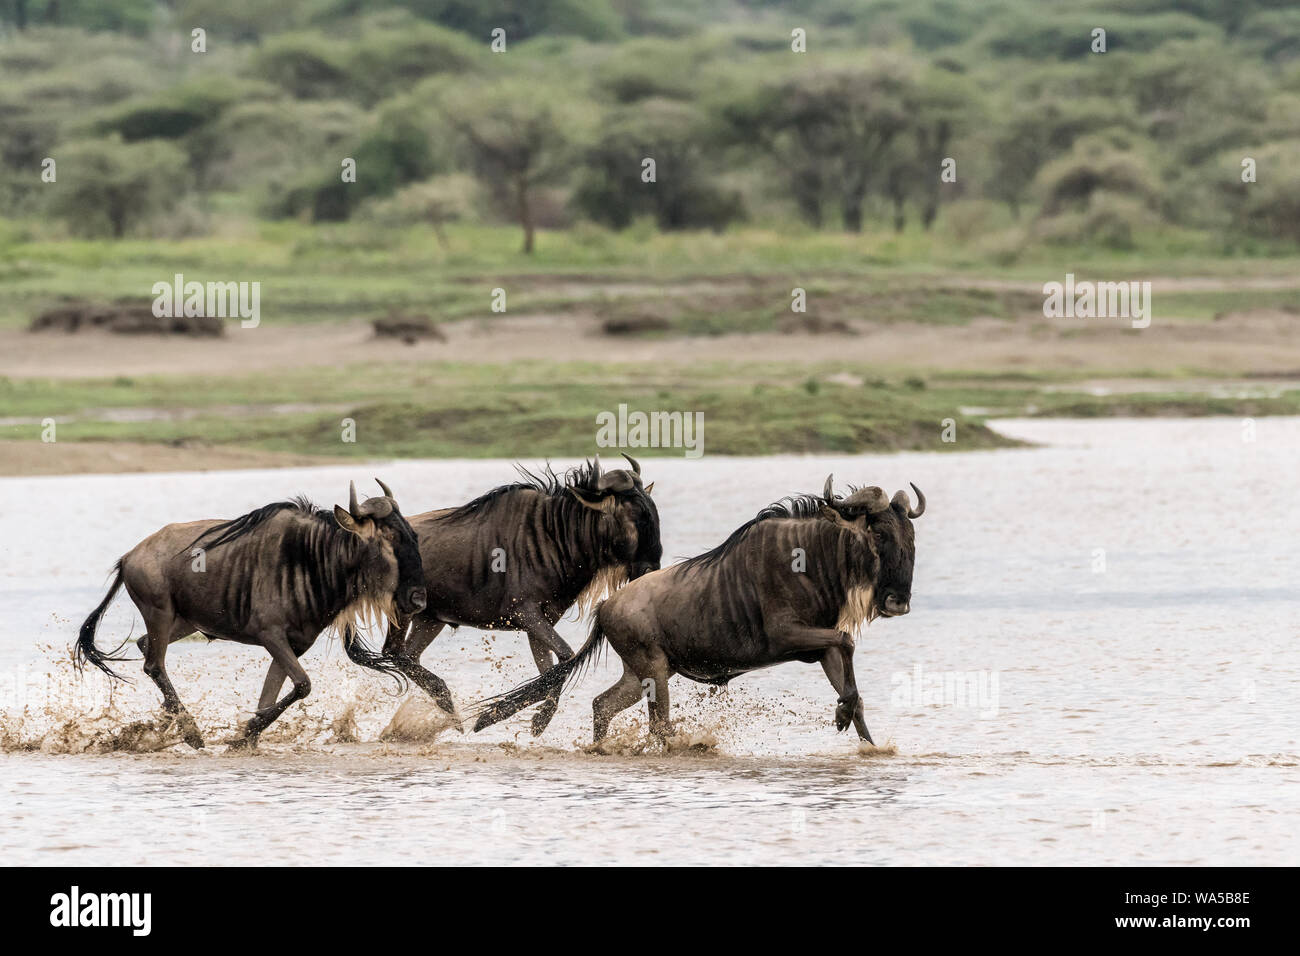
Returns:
(793, 584)
(277, 576)
(522, 554)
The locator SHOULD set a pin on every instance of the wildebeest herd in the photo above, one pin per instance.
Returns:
(792, 584)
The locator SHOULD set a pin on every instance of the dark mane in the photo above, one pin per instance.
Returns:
(793, 506)
(238, 527)
(545, 481)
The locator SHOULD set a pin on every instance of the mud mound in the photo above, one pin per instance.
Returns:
(409, 328)
(125, 318)
(815, 325)
(635, 325)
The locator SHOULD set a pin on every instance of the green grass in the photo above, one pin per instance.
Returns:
(534, 410)
(744, 276)
(701, 283)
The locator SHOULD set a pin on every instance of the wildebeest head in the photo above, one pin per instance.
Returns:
(392, 546)
(621, 495)
(887, 524)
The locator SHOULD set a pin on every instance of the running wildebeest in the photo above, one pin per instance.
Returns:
(747, 604)
(278, 577)
(521, 555)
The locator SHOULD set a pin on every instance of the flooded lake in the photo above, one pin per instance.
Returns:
(1100, 666)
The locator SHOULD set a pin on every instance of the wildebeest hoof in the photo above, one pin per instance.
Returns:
(844, 715)
(190, 731)
(248, 741)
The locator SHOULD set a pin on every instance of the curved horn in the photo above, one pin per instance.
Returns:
(901, 500)
(920, 503)
(353, 507)
(598, 463)
(828, 492)
(636, 466)
(387, 491)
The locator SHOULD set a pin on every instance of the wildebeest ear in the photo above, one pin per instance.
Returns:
(345, 520)
(596, 502)
(650, 488)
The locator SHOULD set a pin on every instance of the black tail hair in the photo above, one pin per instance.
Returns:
(496, 709)
(86, 649)
(359, 653)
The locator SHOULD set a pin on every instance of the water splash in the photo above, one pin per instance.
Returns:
(418, 721)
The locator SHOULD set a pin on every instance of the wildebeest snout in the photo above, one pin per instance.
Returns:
(895, 605)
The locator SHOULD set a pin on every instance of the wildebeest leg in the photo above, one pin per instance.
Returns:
(283, 658)
(660, 724)
(836, 663)
(542, 641)
(423, 631)
(407, 653)
(394, 640)
(163, 627)
(271, 686)
(625, 693)
(796, 641)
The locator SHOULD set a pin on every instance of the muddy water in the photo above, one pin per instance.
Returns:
(1100, 666)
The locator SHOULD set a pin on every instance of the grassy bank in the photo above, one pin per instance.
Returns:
(534, 411)
(448, 410)
(701, 282)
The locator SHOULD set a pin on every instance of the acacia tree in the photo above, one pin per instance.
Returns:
(683, 195)
(1033, 131)
(518, 136)
(830, 129)
(106, 185)
(944, 109)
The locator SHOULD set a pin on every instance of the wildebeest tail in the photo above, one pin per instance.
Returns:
(359, 653)
(496, 709)
(86, 649)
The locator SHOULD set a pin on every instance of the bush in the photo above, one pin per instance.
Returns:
(1069, 182)
(1110, 221)
(1067, 36)
(521, 19)
(683, 196)
(435, 202)
(125, 16)
(308, 66)
(390, 60)
(968, 219)
(182, 109)
(108, 187)
(1269, 207)
(396, 153)
(260, 144)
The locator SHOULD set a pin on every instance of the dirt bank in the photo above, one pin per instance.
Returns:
(1253, 343)
(65, 458)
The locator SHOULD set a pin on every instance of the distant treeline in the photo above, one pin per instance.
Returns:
(689, 113)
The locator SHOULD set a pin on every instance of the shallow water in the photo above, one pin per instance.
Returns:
(1100, 666)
